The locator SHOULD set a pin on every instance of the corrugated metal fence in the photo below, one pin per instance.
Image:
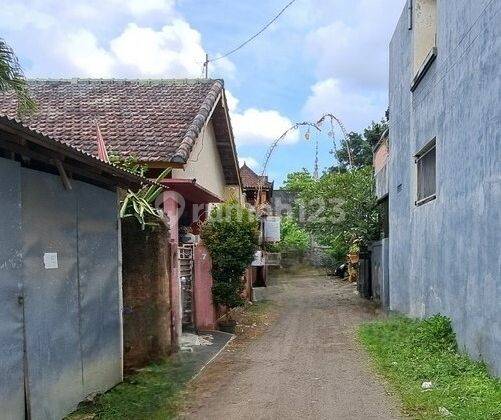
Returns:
(60, 304)
(380, 272)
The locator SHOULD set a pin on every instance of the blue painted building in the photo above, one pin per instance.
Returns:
(444, 169)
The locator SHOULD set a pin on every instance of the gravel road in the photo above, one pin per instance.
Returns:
(307, 365)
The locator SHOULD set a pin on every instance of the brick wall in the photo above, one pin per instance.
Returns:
(146, 302)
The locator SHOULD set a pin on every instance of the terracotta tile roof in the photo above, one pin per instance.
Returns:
(119, 176)
(250, 180)
(155, 120)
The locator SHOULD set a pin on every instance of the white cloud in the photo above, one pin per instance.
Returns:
(82, 50)
(249, 161)
(261, 127)
(355, 110)
(18, 17)
(232, 101)
(140, 7)
(174, 51)
(223, 68)
(171, 52)
(355, 50)
(254, 126)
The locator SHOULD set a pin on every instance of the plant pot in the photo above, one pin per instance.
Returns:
(354, 258)
(227, 326)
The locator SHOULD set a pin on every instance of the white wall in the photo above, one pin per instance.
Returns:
(204, 164)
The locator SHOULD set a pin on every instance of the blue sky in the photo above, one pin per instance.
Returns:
(320, 56)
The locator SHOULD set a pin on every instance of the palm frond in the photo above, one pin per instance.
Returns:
(141, 204)
(12, 79)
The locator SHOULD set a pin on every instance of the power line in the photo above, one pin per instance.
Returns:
(243, 44)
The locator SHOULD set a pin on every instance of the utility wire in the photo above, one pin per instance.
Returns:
(243, 44)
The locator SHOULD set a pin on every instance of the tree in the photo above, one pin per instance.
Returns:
(292, 236)
(338, 208)
(231, 236)
(298, 181)
(12, 79)
(361, 147)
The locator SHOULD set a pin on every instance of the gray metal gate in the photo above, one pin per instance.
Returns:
(185, 259)
(380, 272)
(59, 266)
(100, 288)
(11, 313)
(52, 327)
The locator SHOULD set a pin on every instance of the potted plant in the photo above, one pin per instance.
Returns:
(354, 252)
(231, 236)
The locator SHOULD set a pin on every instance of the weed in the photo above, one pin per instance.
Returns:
(153, 393)
(409, 352)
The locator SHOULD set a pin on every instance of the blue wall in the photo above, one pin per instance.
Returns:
(445, 254)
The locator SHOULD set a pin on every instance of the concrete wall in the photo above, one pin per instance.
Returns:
(205, 164)
(444, 255)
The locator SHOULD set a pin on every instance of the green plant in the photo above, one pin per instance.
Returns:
(335, 256)
(409, 352)
(231, 237)
(360, 147)
(437, 332)
(130, 163)
(12, 79)
(292, 236)
(155, 392)
(354, 248)
(140, 204)
(272, 247)
(337, 207)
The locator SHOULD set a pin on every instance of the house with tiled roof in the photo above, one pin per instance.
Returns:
(178, 124)
(252, 183)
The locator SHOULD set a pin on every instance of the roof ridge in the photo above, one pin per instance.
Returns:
(183, 151)
(124, 80)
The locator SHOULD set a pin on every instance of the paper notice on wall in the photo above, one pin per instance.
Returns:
(50, 260)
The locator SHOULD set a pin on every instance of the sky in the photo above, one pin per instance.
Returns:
(320, 56)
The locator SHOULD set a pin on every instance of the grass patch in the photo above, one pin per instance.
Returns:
(158, 391)
(153, 393)
(409, 352)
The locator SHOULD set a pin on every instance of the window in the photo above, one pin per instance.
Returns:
(426, 161)
(424, 26)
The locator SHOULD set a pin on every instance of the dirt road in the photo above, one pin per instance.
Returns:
(308, 365)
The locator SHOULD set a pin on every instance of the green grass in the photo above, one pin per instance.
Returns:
(153, 393)
(156, 392)
(410, 352)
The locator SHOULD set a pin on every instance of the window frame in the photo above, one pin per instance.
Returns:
(419, 73)
(431, 145)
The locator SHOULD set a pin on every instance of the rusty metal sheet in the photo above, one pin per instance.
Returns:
(11, 314)
(100, 297)
(53, 350)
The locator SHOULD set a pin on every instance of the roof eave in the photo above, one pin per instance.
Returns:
(58, 150)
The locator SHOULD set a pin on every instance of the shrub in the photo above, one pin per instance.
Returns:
(231, 237)
(436, 332)
(293, 238)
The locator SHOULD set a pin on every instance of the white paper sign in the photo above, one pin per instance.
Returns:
(50, 260)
